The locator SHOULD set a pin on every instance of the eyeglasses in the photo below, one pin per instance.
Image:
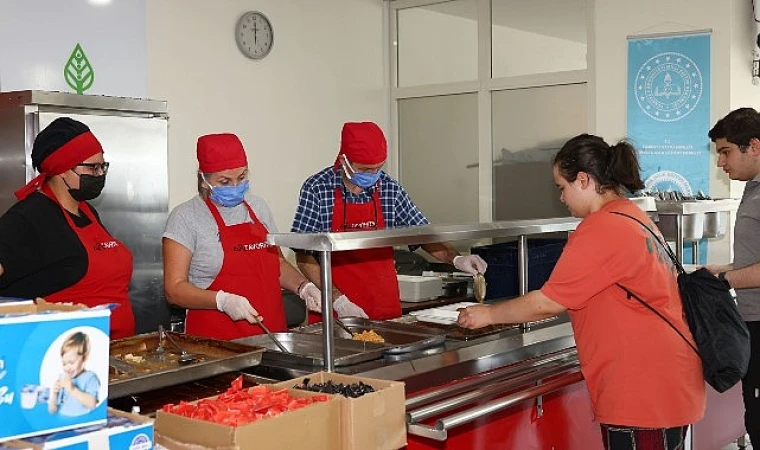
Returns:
(96, 167)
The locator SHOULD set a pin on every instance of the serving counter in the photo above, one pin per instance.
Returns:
(516, 388)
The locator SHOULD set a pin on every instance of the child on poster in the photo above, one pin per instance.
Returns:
(76, 391)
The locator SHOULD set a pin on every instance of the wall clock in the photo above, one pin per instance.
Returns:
(254, 35)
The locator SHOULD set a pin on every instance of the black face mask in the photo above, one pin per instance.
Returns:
(90, 187)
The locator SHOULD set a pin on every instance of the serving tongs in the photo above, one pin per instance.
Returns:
(271, 336)
(343, 325)
(184, 356)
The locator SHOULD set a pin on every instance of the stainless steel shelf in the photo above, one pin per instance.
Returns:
(331, 242)
(87, 102)
(697, 206)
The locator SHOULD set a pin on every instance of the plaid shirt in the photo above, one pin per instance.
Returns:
(315, 205)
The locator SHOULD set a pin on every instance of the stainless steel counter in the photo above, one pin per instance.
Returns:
(454, 360)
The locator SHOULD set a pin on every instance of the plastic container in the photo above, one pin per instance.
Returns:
(417, 289)
(501, 277)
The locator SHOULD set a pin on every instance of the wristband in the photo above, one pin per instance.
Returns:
(722, 277)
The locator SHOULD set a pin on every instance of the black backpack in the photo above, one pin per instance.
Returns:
(721, 335)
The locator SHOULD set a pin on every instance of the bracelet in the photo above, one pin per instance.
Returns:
(300, 286)
(722, 277)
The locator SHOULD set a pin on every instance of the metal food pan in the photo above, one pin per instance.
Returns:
(399, 337)
(214, 357)
(307, 349)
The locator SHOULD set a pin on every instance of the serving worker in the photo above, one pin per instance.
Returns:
(646, 383)
(354, 194)
(52, 243)
(217, 262)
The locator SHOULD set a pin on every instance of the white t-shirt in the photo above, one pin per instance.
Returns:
(192, 225)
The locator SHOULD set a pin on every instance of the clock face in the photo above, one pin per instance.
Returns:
(254, 35)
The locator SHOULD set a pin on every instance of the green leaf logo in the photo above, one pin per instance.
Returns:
(78, 71)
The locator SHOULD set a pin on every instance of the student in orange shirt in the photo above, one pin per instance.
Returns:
(645, 383)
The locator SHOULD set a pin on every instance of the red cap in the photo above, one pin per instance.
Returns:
(217, 152)
(363, 142)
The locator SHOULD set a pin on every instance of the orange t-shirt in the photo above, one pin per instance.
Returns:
(639, 371)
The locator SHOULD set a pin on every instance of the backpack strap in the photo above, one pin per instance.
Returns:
(677, 264)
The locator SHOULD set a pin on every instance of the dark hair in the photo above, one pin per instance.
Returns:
(738, 127)
(54, 136)
(612, 167)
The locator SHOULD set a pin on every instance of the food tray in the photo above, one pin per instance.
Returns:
(399, 337)
(150, 371)
(306, 349)
(444, 318)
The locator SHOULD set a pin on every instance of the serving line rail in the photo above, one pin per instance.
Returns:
(326, 243)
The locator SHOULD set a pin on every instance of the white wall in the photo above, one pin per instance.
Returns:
(326, 67)
(614, 20)
(37, 38)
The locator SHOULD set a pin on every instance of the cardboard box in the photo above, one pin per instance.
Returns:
(314, 427)
(122, 431)
(32, 340)
(372, 421)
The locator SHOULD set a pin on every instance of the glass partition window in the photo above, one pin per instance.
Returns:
(529, 127)
(537, 36)
(438, 43)
(438, 139)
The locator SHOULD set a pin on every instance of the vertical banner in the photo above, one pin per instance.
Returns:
(669, 113)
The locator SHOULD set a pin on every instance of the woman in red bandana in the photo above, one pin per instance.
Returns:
(52, 243)
(217, 262)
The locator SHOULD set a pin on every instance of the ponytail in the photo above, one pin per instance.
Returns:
(623, 167)
(612, 167)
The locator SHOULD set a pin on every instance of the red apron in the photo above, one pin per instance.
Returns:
(109, 271)
(251, 268)
(367, 277)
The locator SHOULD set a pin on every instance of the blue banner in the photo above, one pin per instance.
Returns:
(669, 113)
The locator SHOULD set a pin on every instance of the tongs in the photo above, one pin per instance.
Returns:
(184, 357)
(343, 325)
(271, 336)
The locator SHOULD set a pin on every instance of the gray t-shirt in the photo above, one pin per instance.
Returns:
(192, 225)
(747, 246)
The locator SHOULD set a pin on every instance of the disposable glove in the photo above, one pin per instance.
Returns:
(345, 308)
(312, 296)
(236, 306)
(472, 264)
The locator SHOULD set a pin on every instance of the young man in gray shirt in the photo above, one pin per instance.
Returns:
(737, 141)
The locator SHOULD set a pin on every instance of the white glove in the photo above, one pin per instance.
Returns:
(472, 264)
(345, 308)
(236, 306)
(312, 296)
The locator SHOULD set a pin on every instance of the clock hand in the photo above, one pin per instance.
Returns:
(255, 33)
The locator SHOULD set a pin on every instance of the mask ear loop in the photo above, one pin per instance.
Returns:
(203, 177)
(347, 167)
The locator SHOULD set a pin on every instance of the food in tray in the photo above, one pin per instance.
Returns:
(352, 390)
(238, 406)
(368, 336)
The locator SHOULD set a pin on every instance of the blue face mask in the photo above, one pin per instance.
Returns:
(361, 179)
(228, 196)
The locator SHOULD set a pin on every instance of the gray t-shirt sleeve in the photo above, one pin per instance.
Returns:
(179, 226)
